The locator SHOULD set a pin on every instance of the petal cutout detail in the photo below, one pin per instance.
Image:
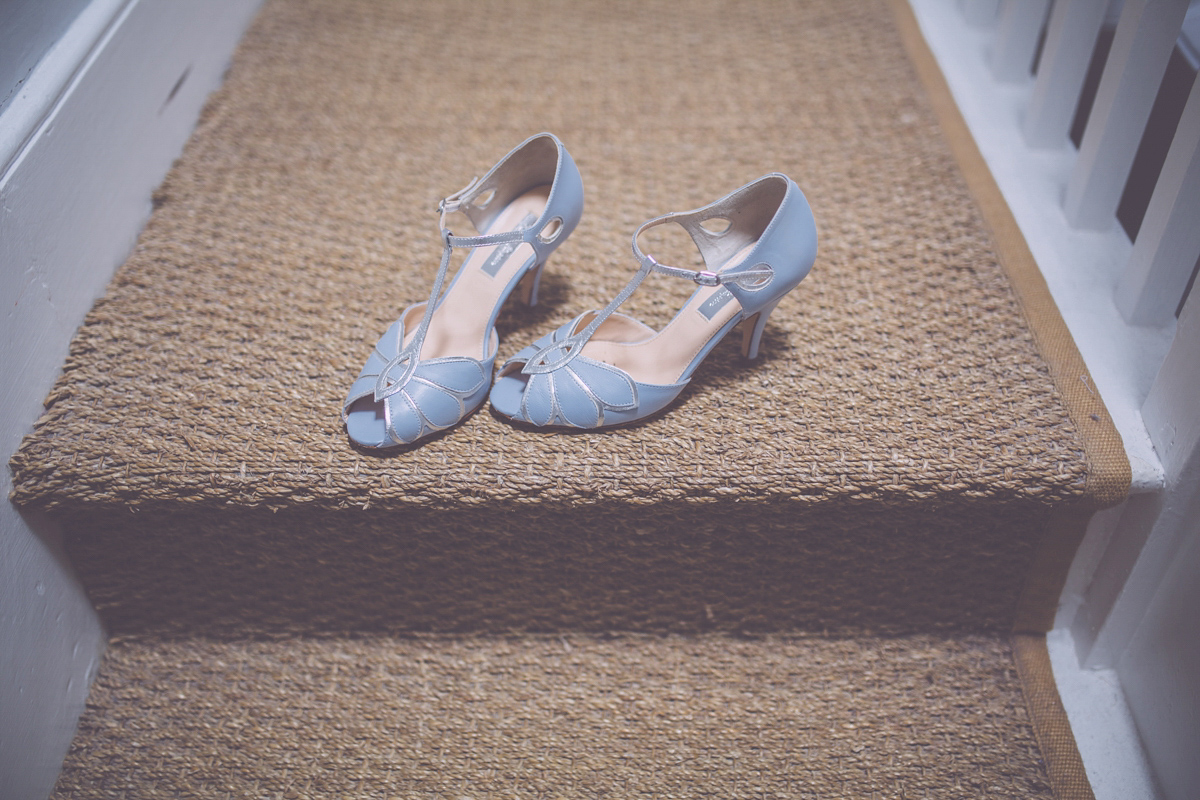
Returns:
(576, 405)
(538, 403)
(404, 423)
(439, 408)
(435, 395)
(612, 386)
(452, 374)
(576, 395)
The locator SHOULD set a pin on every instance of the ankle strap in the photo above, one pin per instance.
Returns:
(560, 353)
(452, 203)
(742, 277)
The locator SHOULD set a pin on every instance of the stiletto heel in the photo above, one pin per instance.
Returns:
(752, 331)
(605, 368)
(434, 365)
(530, 283)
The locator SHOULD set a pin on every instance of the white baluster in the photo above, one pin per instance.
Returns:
(1170, 408)
(1168, 243)
(1020, 23)
(1070, 39)
(1145, 36)
(1153, 526)
(1150, 634)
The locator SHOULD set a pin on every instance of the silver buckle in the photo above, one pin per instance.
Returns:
(452, 203)
(706, 278)
(448, 205)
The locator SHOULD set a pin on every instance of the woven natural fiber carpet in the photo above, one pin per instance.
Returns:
(890, 462)
(316, 573)
(561, 716)
(298, 223)
(885, 474)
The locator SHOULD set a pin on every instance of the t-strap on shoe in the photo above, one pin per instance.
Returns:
(433, 366)
(605, 368)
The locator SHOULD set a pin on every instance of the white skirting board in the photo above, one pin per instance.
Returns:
(85, 142)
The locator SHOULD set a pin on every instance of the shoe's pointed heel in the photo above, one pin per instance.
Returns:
(529, 284)
(752, 330)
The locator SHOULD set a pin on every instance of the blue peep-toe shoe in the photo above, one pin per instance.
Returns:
(433, 366)
(604, 368)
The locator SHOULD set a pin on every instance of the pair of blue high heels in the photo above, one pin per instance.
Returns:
(433, 367)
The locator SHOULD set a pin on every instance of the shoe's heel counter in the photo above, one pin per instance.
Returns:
(567, 195)
(789, 247)
(798, 234)
(564, 205)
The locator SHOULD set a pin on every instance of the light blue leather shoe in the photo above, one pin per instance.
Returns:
(433, 366)
(604, 368)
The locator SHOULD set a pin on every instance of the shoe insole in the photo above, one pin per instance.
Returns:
(664, 358)
(460, 324)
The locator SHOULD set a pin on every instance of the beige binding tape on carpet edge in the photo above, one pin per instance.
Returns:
(1068, 779)
(1108, 466)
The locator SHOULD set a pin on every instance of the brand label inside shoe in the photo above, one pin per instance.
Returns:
(503, 251)
(712, 305)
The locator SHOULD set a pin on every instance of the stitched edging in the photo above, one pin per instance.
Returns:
(1064, 766)
(1108, 475)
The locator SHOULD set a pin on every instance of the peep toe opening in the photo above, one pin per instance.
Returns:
(432, 368)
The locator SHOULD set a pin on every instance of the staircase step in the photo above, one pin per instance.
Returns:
(672, 568)
(562, 716)
(829, 545)
(888, 465)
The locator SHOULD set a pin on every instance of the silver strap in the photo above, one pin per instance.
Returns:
(410, 354)
(748, 277)
(560, 353)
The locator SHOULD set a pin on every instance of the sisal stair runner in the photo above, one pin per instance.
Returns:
(822, 550)
(561, 716)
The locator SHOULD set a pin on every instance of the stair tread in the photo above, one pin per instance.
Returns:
(566, 715)
(296, 226)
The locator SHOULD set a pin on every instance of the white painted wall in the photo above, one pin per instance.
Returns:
(28, 28)
(83, 143)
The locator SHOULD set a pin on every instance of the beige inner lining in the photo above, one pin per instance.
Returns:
(663, 358)
(459, 326)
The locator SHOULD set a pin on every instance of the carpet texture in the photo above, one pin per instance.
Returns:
(298, 223)
(561, 716)
(900, 398)
(885, 474)
(253, 572)
(1109, 470)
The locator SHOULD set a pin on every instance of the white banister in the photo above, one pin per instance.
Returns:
(1172, 409)
(1146, 34)
(1153, 528)
(1070, 38)
(1020, 24)
(1124, 647)
(1158, 669)
(1168, 243)
(981, 13)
